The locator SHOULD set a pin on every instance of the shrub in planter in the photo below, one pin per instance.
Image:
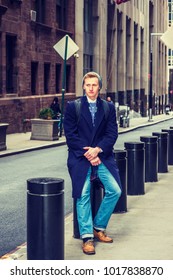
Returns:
(46, 114)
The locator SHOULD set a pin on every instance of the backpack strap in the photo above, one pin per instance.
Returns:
(77, 104)
(106, 108)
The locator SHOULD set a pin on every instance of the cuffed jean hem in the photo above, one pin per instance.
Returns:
(98, 228)
(87, 235)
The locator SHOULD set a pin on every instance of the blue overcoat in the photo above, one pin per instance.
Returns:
(80, 132)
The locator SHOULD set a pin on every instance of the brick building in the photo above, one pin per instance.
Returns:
(30, 69)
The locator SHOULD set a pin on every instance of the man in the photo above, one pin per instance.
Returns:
(109, 99)
(90, 139)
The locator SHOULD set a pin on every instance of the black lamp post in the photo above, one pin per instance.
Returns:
(151, 77)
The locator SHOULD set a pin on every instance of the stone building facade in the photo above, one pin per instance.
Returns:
(170, 56)
(116, 43)
(30, 69)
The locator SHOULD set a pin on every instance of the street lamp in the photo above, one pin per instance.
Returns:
(151, 76)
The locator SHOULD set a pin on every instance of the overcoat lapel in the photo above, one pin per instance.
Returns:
(98, 118)
(99, 114)
(85, 112)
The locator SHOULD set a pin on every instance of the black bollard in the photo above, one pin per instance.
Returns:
(45, 219)
(135, 168)
(76, 233)
(170, 145)
(162, 151)
(97, 193)
(151, 158)
(121, 160)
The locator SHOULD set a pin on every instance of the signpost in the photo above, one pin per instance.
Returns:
(66, 47)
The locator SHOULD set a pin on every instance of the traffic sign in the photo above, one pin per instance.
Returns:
(60, 47)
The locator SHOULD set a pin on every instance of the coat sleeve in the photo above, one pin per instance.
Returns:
(74, 143)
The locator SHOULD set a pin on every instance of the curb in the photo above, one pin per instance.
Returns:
(45, 146)
(143, 125)
(52, 145)
(20, 252)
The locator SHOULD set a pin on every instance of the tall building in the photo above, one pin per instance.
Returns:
(115, 40)
(30, 69)
(170, 56)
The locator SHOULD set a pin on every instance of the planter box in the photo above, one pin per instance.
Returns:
(3, 130)
(44, 129)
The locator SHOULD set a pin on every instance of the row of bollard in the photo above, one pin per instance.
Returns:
(140, 162)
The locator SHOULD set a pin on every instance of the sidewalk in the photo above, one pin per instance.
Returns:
(20, 142)
(144, 232)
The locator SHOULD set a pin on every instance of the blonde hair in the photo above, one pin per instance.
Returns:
(92, 75)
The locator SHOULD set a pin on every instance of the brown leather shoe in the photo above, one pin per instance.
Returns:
(88, 247)
(102, 237)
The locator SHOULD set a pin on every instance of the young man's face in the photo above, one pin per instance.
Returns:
(91, 87)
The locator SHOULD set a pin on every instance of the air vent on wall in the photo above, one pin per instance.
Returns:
(33, 15)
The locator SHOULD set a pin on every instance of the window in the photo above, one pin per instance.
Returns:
(34, 74)
(68, 71)
(61, 13)
(11, 73)
(88, 63)
(58, 78)
(88, 16)
(0, 65)
(170, 12)
(46, 77)
(40, 9)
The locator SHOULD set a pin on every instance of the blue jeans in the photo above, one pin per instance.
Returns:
(112, 193)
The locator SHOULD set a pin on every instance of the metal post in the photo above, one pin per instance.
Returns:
(45, 219)
(151, 157)
(162, 151)
(135, 168)
(121, 160)
(151, 76)
(151, 86)
(63, 85)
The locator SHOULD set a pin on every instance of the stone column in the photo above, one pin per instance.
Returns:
(79, 6)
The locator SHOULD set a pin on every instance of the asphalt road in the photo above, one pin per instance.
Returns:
(51, 162)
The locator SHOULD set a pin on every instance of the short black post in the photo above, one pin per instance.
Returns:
(45, 219)
(151, 158)
(122, 121)
(135, 168)
(121, 160)
(162, 151)
(170, 145)
(97, 193)
(76, 233)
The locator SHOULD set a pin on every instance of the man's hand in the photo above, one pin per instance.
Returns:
(91, 153)
(96, 161)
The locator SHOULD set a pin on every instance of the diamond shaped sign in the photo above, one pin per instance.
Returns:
(167, 37)
(60, 46)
